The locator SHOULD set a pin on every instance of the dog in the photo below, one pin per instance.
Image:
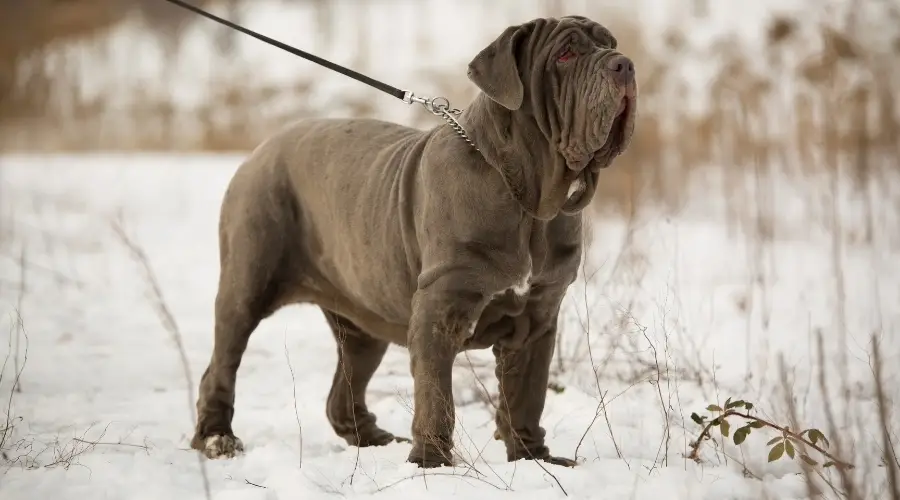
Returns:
(416, 238)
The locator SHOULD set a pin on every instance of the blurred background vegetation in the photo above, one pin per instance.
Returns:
(815, 100)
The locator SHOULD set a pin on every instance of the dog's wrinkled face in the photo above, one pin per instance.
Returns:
(567, 76)
(596, 98)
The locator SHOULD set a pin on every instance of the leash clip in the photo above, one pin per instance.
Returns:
(440, 107)
(409, 98)
(434, 105)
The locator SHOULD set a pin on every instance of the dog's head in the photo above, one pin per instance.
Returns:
(566, 78)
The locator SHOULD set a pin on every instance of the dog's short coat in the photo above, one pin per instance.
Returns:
(416, 238)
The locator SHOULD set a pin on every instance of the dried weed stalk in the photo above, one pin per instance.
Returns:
(169, 324)
(287, 357)
(6, 433)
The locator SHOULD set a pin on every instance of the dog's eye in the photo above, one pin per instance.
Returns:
(565, 55)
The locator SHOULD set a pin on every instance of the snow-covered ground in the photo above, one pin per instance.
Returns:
(679, 311)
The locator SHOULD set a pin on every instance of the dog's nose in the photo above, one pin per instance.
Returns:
(621, 69)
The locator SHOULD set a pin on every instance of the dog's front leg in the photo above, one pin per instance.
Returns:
(523, 373)
(440, 321)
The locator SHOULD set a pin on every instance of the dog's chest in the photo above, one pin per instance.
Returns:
(548, 251)
(547, 261)
(529, 266)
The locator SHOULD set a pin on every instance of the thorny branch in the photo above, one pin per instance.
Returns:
(695, 446)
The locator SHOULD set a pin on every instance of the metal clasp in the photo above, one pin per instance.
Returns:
(434, 105)
(409, 98)
(440, 106)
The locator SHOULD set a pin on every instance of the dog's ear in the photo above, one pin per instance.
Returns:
(596, 31)
(495, 69)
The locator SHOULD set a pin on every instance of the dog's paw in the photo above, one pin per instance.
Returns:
(429, 457)
(543, 454)
(561, 461)
(429, 462)
(375, 437)
(216, 447)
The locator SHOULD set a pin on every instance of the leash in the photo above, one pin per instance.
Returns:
(438, 106)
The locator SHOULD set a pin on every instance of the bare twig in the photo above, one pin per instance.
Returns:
(23, 287)
(847, 482)
(65, 455)
(586, 326)
(533, 458)
(891, 461)
(489, 401)
(254, 484)
(341, 338)
(294, 386)
(516, 436)
(597, 411)
(102, 443)
(57, 275)
(8, 427)
(170, 325)
(667, 433)
(812, 490)
(423, 475)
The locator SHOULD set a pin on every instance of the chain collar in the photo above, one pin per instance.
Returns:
(440, 106)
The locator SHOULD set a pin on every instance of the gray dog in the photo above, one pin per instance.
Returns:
(416, 238)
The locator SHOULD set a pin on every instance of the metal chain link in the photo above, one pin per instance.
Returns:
(440, 106)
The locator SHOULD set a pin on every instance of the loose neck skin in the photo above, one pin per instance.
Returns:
(492, 128)
(512, 143)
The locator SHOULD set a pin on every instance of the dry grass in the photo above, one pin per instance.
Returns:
(800, 120)
(30, 31)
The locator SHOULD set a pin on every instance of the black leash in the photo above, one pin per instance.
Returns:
(438, 106)
(394, 91)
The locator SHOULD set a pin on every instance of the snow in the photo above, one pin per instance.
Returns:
(702, 299)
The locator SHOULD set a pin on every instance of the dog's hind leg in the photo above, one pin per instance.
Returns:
(251, 283)
(359, 355)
